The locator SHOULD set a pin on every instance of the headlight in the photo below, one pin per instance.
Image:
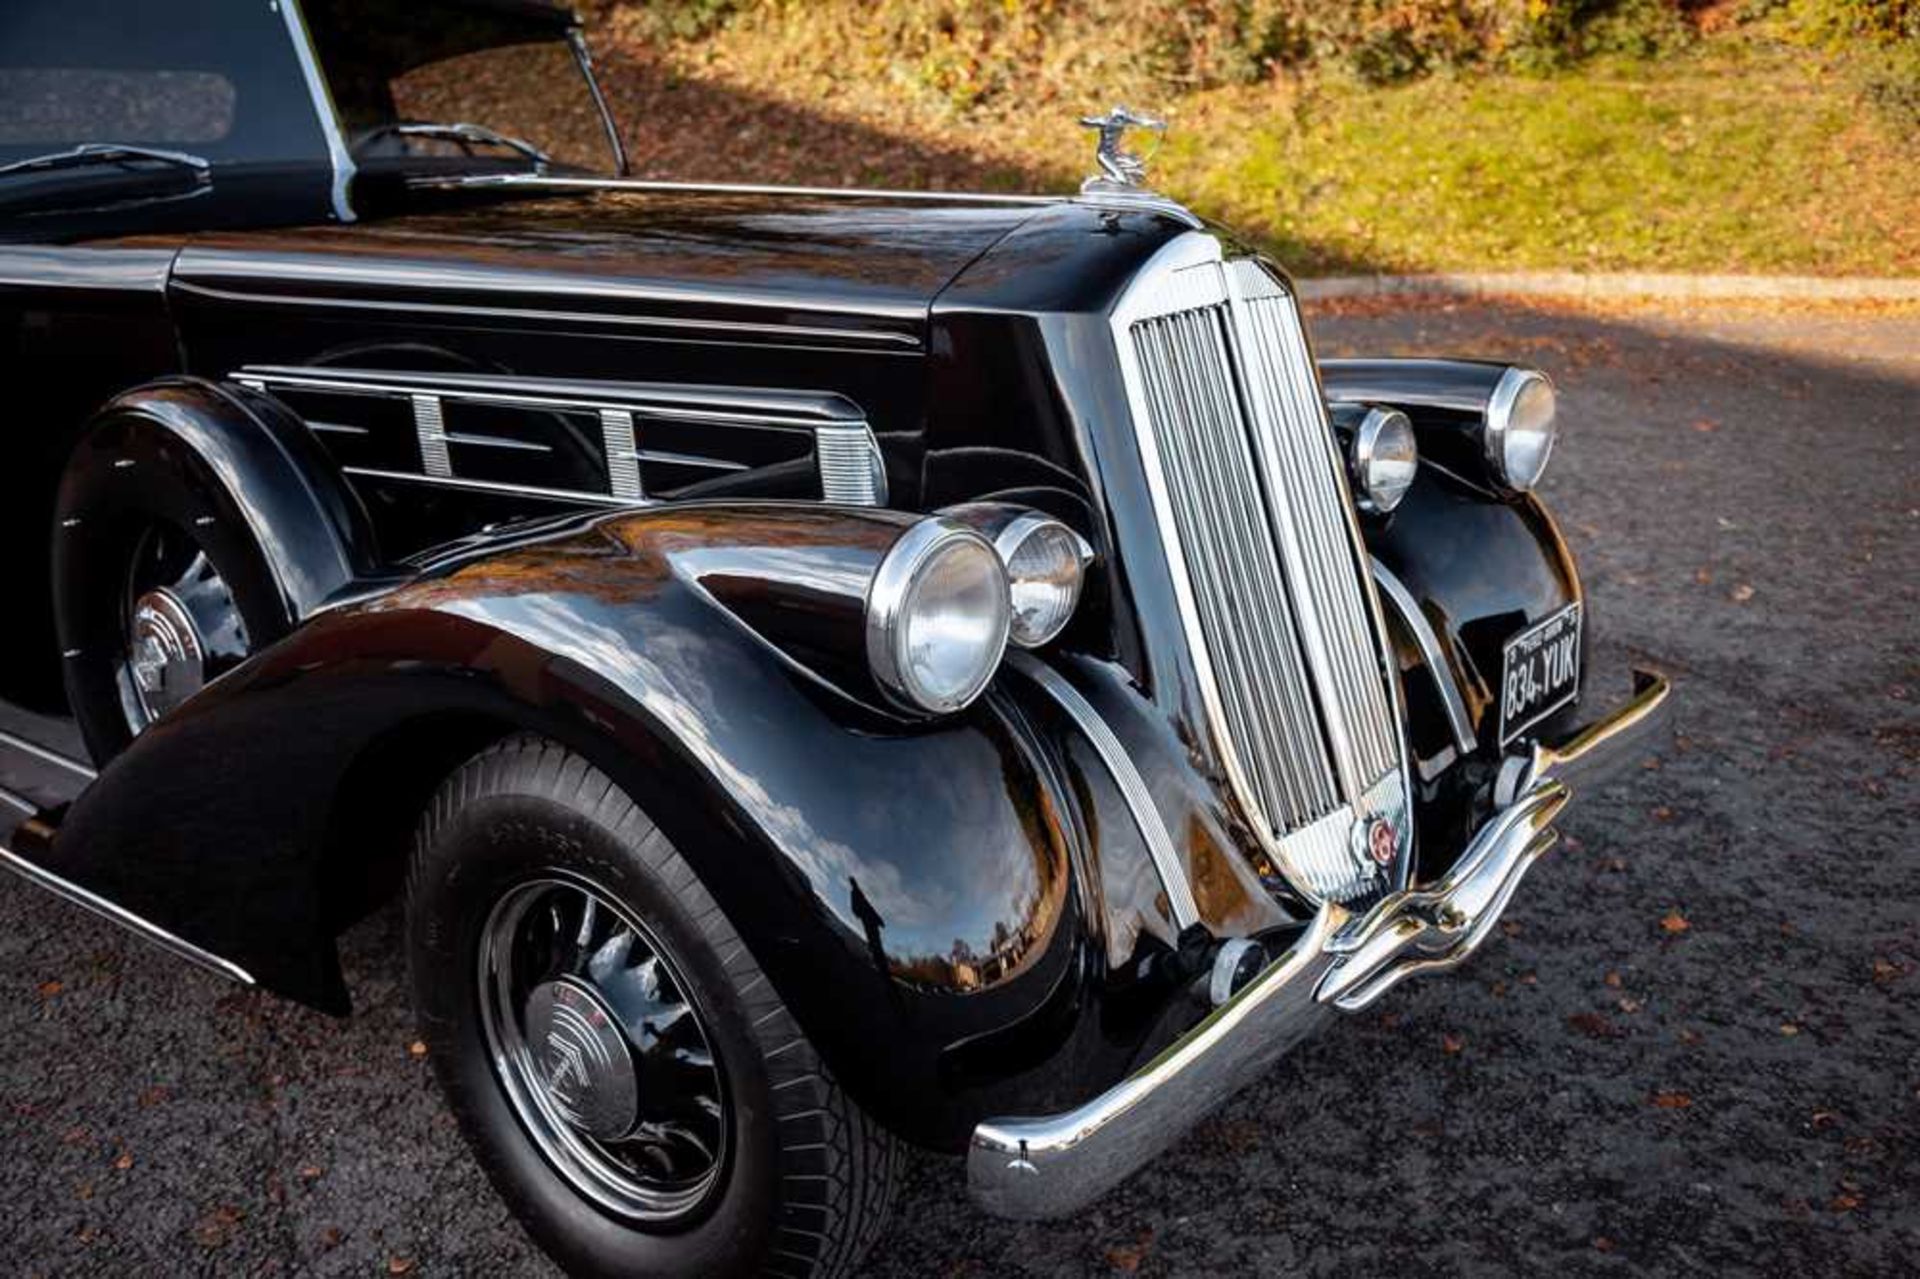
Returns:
(937, 616)
(1385, 458)
(1520, 428)
(1046, 564)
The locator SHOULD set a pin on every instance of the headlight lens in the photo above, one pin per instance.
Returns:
(1521, 428)
(1385, 460)
(1046, 563)
(937, 617)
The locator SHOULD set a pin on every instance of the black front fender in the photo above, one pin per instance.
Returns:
(918, 893)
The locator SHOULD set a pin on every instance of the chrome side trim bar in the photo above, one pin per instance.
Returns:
(1133, 787)
(46, 756)
(1430, 648)
(14, 799)
(59, 886)
(493, 486)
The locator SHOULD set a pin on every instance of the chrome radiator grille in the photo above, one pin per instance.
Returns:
(1254, 509)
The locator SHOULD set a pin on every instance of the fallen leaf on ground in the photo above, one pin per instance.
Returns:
(1451, 1043)
(1672, 1100)
(399, 1265)
(1741, 593)
(1593, 1025)
(1675, 922)
(418, 1048)
(1127, 1257)
(1613, 980)
(217, 1226)
(124, 1162)
(48, 989)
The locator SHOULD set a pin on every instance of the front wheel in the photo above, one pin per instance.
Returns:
(625, 1073)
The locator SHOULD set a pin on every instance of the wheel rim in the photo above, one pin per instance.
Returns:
(182, 625)
(602, 1050)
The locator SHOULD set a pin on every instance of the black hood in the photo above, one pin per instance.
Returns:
(860, 266)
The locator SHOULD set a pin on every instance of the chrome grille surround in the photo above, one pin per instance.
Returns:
(1267, 564)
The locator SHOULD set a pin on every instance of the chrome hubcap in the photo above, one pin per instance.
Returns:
(168, 658)
(602, 1051)
(183, 626)
(583, 1053)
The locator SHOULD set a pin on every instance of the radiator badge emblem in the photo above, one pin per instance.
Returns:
(1382, 841)
(1120, 169)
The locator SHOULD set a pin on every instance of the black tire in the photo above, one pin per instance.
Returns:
(808, 1179)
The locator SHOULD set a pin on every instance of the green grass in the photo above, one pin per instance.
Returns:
(1732, 154)
(1739, 167)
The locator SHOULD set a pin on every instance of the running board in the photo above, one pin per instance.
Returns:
(59, 886)
(35, 831)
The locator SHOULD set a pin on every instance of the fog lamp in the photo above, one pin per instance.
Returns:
(1385, 459)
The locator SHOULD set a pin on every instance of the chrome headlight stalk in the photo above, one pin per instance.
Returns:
(938, 614)
(1046, 565)
(1383, 459)
(1521, 426)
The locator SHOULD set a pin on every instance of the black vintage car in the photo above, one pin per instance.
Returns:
(824, 669)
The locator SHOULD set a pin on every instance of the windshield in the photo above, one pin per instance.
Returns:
(504, 71)
(216, 78)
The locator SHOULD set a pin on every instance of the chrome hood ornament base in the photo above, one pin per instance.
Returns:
(1121, 171)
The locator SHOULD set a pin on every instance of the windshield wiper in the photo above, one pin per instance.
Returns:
(93, 153)
(468, 133)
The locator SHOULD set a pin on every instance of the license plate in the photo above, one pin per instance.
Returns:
(1540, 672)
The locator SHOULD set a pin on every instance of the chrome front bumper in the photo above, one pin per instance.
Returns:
(1051, 1166)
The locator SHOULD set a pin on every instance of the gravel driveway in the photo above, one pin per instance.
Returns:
(1696, 1047)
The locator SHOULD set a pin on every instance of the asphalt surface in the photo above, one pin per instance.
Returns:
(1697, 1045)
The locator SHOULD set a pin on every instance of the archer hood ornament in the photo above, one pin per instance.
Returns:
(1120, 169)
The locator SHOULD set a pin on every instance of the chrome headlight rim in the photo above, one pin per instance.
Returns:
(1375, 434)
(1007, 543)
(889, 600)
(1497, 434)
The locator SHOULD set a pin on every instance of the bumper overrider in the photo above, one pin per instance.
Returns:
(1050, 1166)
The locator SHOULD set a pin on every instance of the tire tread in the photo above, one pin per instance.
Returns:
(839, 1171)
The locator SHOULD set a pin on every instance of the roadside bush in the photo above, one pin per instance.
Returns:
(1884, 36)
(978, 54)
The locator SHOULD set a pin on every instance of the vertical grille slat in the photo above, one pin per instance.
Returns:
(1234, 563)
(1252, 491)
